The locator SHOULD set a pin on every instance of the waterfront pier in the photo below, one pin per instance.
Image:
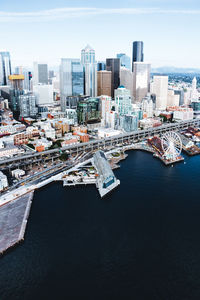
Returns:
(13, 220)
(99, 172)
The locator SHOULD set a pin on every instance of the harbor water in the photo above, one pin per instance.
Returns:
(142, 241)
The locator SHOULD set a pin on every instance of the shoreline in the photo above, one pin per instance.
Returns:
(29, 191)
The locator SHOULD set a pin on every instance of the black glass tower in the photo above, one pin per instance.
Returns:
(138, 55)
(113, 65)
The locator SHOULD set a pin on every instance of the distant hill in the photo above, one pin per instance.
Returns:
(175, 70)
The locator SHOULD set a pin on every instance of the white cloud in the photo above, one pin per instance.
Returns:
(70, 12)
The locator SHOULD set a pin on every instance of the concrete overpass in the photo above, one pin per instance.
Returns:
(131, 137)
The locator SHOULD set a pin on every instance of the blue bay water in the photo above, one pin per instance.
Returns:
(140, 242)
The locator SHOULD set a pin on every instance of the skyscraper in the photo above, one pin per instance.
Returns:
(27, 105)
(125, 60)
(90, 71)
(172, 98)
(180, 92)
(123, 101)
(27, 76)
(71, 79)
(141, 80)
(128, 122)
(44, 94)
(106, 106)
(194, 93)
(138, 55)
(104, 83)
(5, 67)
(160, 89)
(101, 66)
(113, 65)
(40, 73)
(88, 111)
(16, 89)
(126, 78)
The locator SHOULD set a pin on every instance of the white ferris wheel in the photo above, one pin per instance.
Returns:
(171, 145)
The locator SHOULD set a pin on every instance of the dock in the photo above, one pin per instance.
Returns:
(99, 172)
(189, 146)
(106, 180)
(13, 221)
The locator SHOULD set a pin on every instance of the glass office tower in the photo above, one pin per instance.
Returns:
(123, 101)
(71, 79)
(90, 71)
(88, 111)
(101, 66)
(113, 65)
(125, 60)
(138, 55)
(141, 80)
(40, 73)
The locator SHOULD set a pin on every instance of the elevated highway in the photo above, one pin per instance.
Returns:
(131, 137)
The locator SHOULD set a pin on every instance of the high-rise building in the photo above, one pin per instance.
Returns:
(181, 95)
(128, 122)
(113, 65)
(125, 60)
(138, 55)
(51, 74)
(187, 96)
(106, 106)
(56, 83)
(196, 105)
(90, 71)
(40, 73)
(72, 102)
(14, 95)
(104, 83)
(194, 94)
(71, 79)
(71, 116)
(123, 101)
(194, 84)
(141, 80)
(172, 98)
(126, 79)
(147, 106)
(160, 89)
(88, 111)
(44, 94)
(16, 83)
(27, 104)
(101, 66)
(5, 67)
(27, 77)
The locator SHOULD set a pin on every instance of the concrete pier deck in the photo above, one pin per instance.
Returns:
(13, 220)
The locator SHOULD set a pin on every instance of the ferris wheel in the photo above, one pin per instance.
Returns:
(171, 145)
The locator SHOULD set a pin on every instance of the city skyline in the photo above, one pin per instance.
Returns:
(54, 31)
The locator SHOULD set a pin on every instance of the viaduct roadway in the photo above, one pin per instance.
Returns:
(132, 137)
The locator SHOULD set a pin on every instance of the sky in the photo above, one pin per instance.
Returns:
(46, 30)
